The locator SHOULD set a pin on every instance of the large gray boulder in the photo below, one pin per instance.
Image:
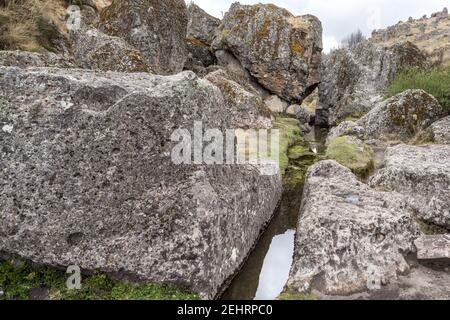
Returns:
(201, 25)
(228, 62)
(422, 173)
(353, 80)
(433, 247)
(247, 107)
(87, 179)
(156, 28)
(200, 32)
(349, 238)
(281, 51)
(95, 50)
(24, 59)
(400, 118)
(441, 131)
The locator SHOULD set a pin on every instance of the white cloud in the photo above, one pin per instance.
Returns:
(329, 43)
(341, 17)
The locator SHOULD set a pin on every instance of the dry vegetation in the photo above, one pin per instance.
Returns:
(31, 25)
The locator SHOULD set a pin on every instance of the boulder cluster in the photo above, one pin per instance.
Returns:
(87, 175)
(374, 221)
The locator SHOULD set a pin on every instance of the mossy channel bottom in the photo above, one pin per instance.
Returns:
(266, 271)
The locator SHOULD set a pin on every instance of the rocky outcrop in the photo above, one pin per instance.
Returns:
(349, 238)
(346, 128)
(200, 57)
(23, 59)
(97, 4)
(156, 28)
(353, 80)
(201, 26)
(302, 114)
(281, 51)
(95, 50)
(433, 247)
(421, 283)
(441, 131)
(430, 34)
(200, 33)
(234, 68)
(87, 178)
(423, 174)
(248, 109)
(401, 117)
(275, 104)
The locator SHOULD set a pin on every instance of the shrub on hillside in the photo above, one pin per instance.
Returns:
(436, 82)
(353, 40)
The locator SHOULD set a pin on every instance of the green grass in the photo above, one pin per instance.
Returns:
(353, 154)
(17, 280)
(430, 229)
(436, 82)
(290, 136)
(291, 295)
(352, 117)
(295, 157)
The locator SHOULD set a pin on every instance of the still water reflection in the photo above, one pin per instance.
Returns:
(275, 270)
(267, 269)
(265, 273)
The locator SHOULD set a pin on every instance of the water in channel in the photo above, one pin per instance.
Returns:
(266, 271)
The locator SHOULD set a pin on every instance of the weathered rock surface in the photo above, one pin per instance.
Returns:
(433, 247)
(248, 109)
(156, 28)
(402, 116)
(346, 128)
(24, 59)
(421, 284)
(430, 34)
(200, 57)
(234, 68)
(302, 114)
(353, 81)
(281, 51)
(349, 238)
(422, 173)
(441, 131)
(95, 50)
(87, 178)
(275, 104)
(201, 25)
(200, 32)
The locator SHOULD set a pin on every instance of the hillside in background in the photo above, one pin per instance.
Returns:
(430, 34)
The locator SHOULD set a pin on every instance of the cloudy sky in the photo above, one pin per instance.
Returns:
(341, 17)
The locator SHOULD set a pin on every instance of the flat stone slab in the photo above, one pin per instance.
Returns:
(433, 247)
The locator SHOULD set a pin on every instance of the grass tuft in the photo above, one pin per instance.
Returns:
(435, 82)
(18, 279)
(353, 154)
(31, 25)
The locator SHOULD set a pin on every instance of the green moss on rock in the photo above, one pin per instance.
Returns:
(295, 156)
(353, 154)
(18, 279)
(430, 229)
(290, 136)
